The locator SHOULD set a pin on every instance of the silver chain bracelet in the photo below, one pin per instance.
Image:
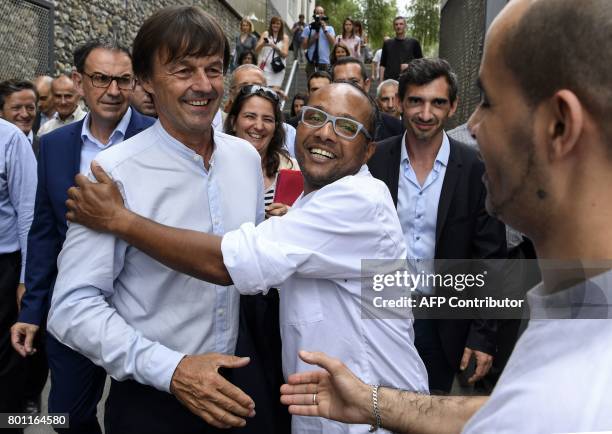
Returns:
(375, 409)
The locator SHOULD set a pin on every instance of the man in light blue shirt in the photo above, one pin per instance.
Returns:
(17, 191)
(155, 330)
(436, 183)
(318, 39)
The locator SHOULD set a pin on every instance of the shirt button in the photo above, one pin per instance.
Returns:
(418, 238)
(220, 311)
(418, 260)
(418, 216)
(197, 157)
(420, 193)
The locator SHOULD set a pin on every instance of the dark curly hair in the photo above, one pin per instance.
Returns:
(271, 160)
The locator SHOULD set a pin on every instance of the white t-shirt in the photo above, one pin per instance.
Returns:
(559, 376)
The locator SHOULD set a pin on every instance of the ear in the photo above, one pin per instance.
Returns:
(77, 78)
(565, 123)
(367, 84)
(370, 149)
(453, 108)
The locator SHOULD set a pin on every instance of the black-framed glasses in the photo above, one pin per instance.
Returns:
(344, 127)
(256, 89)
(125, 82)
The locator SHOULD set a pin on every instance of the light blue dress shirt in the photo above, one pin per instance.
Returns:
(92, 146)
(324, 45)
(127, 312)
(313, 254)
(18, 179)
(417, 206)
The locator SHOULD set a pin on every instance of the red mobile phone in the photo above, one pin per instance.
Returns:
(289, 185)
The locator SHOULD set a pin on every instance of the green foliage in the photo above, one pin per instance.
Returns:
(376, 15)
(338, 10)
(424, 24)
(379, 16)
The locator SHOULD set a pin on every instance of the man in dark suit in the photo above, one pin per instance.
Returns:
(353, 70)
(436, 185)
(105, 80)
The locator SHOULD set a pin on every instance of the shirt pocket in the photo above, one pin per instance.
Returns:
(300, 302)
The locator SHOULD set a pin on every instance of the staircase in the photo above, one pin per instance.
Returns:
(299, 83)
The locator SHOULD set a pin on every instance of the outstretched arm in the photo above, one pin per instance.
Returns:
(341, 396)
(99, 206)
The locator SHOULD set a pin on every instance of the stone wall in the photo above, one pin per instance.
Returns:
(77, 21)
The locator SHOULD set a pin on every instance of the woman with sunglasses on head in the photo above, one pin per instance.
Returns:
(255, 116)
(272, 46)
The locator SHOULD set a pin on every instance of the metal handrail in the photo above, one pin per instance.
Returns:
(289, 82)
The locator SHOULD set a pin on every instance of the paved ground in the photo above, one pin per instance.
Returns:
(41, 429)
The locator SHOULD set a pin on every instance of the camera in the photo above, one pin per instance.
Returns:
(266, 40)
(316, 24)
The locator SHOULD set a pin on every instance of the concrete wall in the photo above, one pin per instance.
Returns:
(76, 21)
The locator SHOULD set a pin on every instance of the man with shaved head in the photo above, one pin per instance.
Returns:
(66, 104)
(313, 253)
(546, 139)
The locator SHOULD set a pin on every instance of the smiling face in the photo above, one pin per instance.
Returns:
(297, 105)
(187, 94)
(105, 104)
(504, 126)
(340, 52)
(323, 156)
(256, 122)
(426, 108)
(20, 109)
(276, 26)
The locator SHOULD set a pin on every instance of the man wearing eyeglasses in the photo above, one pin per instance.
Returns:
(105, 80)
(313, 253)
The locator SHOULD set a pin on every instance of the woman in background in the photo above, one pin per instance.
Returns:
(350, 38)
(339, 50)
(299, 101)
(247, 57)
(245, 41)
(255, 116)
(273, 43)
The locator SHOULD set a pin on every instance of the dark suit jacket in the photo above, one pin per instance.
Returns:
(389, 127)
(464, 230)
(58, 163)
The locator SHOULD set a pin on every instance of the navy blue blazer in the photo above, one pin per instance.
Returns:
(58, 163)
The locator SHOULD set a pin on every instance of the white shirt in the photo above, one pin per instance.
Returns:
(313, 254)
(289, 138)
(92, 146)
(559, 376)
(124, 310)
(55, 122)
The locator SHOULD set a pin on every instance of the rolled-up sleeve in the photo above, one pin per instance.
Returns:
(82, 318)
(316, 239)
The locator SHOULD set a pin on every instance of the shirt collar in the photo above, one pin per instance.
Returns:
(30, 136)
(441, 158)
(590, 299)
(182, 150)
(116, 136)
